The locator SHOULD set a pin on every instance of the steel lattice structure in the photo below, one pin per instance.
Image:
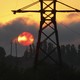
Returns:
(48, 20)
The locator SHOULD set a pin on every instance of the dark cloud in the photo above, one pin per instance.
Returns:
(12, 29)
(9, 31)
(69, 33)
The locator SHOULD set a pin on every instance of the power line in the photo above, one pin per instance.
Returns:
(25, 7)
(67, 27)
(73, 41)
(44, 8)
(67, 5)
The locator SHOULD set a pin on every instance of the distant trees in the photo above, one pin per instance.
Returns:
(50, 47)
(47, 47)
(30, 51)
(63, 49)
(69, 50)
(26, 53)
(70, 53)
(73, 49)
(2, 54)
(78, 49)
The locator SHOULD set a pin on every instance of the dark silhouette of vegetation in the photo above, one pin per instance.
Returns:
(21, 68)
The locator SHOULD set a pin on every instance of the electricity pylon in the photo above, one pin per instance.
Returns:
(48, 21)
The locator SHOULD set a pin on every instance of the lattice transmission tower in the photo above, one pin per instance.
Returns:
(48, 29)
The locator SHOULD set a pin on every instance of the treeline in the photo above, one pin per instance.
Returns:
(69, 53)
(69, 49)
(9, 66)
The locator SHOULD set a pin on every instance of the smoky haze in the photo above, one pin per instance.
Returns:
(12, 29)
(67, 33)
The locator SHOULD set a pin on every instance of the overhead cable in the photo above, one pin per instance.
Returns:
(77, 33)
(67, 5)
(25, 7)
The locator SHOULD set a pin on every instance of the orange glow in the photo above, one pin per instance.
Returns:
(71, 18)
(7, 5)
(25, 39)
(22, 38)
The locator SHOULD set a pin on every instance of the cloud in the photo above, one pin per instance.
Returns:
(69, 33)
(71, 18)
(72, 15)
(12, 29)
(1, 25)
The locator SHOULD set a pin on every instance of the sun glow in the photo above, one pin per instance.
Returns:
(25, 39)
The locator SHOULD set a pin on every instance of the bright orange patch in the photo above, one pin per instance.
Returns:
(25, 39)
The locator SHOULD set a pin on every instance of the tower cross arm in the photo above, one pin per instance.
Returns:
(23, 11)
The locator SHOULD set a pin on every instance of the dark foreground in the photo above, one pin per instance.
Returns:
(44, 72)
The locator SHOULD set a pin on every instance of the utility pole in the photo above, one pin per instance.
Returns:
(48, 21)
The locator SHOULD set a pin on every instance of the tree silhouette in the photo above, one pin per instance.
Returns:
(33, 50)
(44, 46)
(68, 49)
(2, 52)
(63, 49)
(26, 53)
(2, 55)
(73, 50)
(79, 49)
(50, 47)
(45, 71)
